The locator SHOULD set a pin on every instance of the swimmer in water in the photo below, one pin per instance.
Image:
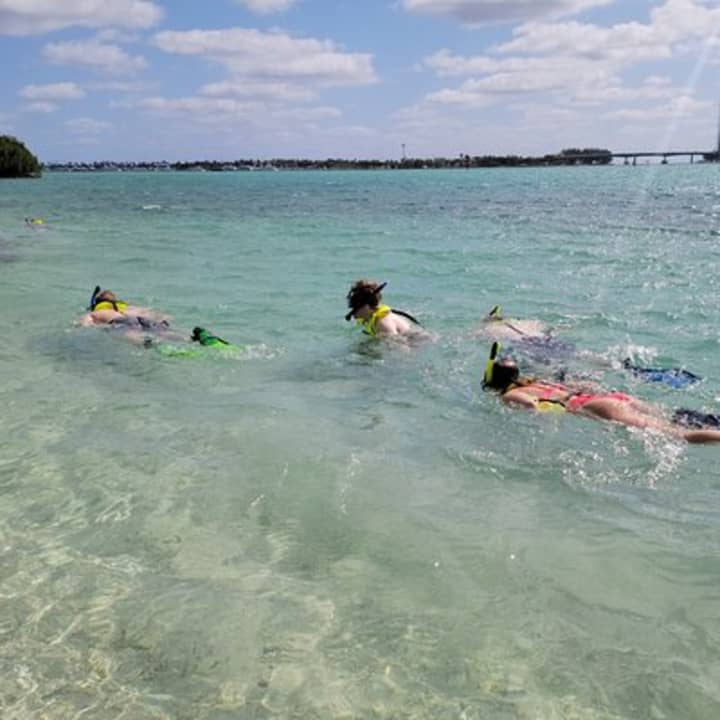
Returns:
(139, 325)
(496, 326)
(547, 349)
(377, 320)
(503, 375)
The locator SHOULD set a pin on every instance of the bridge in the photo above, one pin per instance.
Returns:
(692, 154)
(628, 158)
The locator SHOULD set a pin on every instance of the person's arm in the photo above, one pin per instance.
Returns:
(99, 317)
(86, 320)
(518, 397)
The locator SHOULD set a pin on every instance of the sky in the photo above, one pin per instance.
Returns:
(154, 80)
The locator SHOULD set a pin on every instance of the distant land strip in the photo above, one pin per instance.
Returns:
(571, 156)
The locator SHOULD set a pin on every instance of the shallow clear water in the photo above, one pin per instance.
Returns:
(316, 525)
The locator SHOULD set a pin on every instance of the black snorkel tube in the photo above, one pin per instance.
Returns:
(96, 292)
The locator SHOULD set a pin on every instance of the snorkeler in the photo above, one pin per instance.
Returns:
(497, 327)
(533, 341)
(365, 302)
(106, 308)
(503, 375)
(139, 325)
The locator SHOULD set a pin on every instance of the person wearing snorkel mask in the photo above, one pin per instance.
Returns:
(106, 308)
(139, 325)
(378, 320)
(503, 375)
(496, 326)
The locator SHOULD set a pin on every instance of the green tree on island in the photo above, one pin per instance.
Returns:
(16, 160)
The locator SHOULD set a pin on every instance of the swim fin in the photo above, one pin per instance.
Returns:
(674, 377)
(695, 418)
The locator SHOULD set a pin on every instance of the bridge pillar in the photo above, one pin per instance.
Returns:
(634, 159)
(692, 158)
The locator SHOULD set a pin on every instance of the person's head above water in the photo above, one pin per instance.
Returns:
(106, 300)
(106, 296)
(500, 372)
(364, 297)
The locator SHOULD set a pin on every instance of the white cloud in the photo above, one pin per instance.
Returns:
(87, 126)
(226, 109)
(53, 91)
(255, 88)
(462, 96)
(480, 12)
(35, 17)
(117, 86)
(679, 107)
(264, 7)
(444, 63)
(108, 58)
(578, 63)
(671, 24)
(251, 53)
(624, 43)
(42, 106)
(306, 114)
(202, 108)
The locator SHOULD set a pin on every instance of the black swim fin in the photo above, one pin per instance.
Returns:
(695, 418)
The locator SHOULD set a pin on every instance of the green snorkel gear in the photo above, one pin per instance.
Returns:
(206, 338)
(490, 364)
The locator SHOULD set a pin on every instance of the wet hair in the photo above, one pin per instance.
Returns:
(504, 373)
(105, 296)
(365, 292)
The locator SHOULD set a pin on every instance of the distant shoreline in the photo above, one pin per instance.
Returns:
(570, 157)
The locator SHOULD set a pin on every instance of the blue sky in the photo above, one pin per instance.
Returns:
(228, 79)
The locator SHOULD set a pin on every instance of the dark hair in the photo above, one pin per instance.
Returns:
(504, 373)
(105, 296)
(364, 292)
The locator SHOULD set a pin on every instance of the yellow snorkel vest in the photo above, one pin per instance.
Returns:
(117, 305)
(369, 325)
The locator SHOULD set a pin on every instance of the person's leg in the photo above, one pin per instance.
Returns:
(701, 436)
(629, 413)
(632, 413)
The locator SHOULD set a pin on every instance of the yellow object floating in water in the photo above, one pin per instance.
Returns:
(550, 406)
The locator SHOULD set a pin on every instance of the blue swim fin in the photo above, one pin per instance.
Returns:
(674, 377)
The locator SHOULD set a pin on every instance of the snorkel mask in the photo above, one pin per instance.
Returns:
(360, 296)
(499, 374)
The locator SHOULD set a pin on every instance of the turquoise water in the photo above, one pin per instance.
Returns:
(318, 526)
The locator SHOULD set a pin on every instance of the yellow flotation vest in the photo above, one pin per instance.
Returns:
(117, 305)
(369, 325)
